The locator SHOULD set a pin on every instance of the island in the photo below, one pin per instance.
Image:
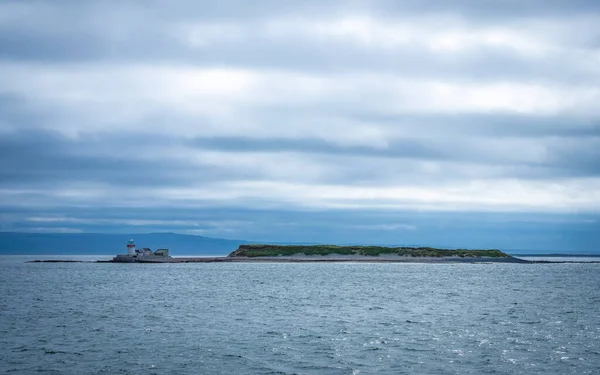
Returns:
(315, 253)
(335, 253)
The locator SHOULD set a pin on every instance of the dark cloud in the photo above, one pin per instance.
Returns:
(42, 158)
(258, 9)
(489, 9)
(577, 159)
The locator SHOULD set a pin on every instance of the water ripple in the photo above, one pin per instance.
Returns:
(216, 318)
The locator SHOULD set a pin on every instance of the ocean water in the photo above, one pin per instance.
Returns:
(287, 318)
(577, 259)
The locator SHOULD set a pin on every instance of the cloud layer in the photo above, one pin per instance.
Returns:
(363, 109)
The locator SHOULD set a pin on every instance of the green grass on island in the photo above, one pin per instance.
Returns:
(256, 250)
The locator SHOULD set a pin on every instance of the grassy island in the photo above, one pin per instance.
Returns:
(256, 250)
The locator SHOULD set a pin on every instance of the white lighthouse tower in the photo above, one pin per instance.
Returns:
(130, 247)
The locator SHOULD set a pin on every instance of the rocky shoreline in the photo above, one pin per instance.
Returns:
(307, 259)
(429, 260)
(262, 253)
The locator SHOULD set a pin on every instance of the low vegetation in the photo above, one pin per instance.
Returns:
(288, 250)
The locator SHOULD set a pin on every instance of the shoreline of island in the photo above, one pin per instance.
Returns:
(415, 260)
(268, 253)
(308, 259)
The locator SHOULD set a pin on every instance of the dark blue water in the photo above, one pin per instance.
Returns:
(344, 318)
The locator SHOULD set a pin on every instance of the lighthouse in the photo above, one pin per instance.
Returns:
(130, 247)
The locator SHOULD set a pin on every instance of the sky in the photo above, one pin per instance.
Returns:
(447, 123)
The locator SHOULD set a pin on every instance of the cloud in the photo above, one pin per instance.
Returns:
(349, 107)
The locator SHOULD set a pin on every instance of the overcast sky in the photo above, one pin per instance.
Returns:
(455, 123)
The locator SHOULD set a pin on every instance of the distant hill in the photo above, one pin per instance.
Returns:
(104, 243)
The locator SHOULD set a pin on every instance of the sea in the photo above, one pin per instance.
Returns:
(298, 318)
